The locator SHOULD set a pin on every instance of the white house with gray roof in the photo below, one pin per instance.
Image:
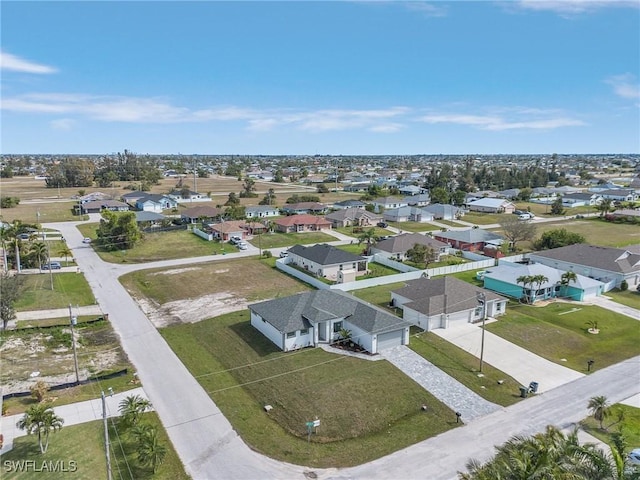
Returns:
(396, 247)
(311, 318)
(606, 264)
(329, 262)
(444, 302)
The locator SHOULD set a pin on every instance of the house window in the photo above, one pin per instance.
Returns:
(478, 311)
(498, 307)
(304, 331)
(291, 334)
(337, 327)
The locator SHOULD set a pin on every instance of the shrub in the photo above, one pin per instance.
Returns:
(267, 254)
(624, 285)
(39, 390)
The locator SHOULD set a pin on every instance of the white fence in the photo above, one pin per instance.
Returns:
(201, 234)
(512, 259)
(387, 262)
(281, 264)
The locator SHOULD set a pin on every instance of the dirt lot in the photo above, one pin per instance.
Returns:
(187, 295)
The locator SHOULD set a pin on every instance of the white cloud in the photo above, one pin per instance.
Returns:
(573, 7)
(428, 9)
(625, 86)
(64, 124)
(507, 119)
(17, 64)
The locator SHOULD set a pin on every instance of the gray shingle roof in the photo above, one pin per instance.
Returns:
(402, 243)
(324, 254)
(433, 296)
(606, 258)
(309, 308)
(352, 214)
(473, 235)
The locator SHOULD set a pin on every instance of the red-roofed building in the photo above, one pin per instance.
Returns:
(301, 223)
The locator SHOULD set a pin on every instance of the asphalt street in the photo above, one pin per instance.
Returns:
(210, 448)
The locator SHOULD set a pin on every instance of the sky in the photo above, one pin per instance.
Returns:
(320, 78)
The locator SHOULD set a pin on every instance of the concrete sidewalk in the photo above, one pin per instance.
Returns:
(513, 360)
(73, 414)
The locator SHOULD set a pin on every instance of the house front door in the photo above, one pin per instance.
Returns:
(322, 332)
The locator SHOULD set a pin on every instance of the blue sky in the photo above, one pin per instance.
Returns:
(321, 77)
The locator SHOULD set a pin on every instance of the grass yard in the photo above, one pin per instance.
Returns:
(484, 218)
(354, 248)
(630, 425)
(378, 270)
(247, 278)
(464, 367)
(469, 276)
(413, 227)
(630, 298)
(367, 409)
(357, 231)
(84, 445)
(68, 288)
(559, 330)
(595, 231)
(50, 211)
(277, 240)
(379, 295)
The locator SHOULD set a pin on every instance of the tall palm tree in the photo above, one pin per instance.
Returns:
(66, 252)
(39, 249)
(132, 407)
(605, 206)
(537, 280)
(525, 280)
(149, 449)
(599, 408)
(565, 279)
(40, 419)
(368, 236)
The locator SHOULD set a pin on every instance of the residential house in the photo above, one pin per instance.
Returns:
(329, 262)
(352, 217)
(411, 190)
(387, 203)
(444, 212)
(510, 193)
(491, 205)
(396, 247)
(231, 228)
(606, 264)
(149, 219)
(407, 214)
(304, 207)
(97, 206)
(580, 199)
(155, 203)
(201, 213)
(471, 240)
(445, 302)
(188, 196)
(261, 211)
(316, 317)
(132, 197)
(620, 195)
(418, 200)
(504, 280)
(93, 196)
(301, 223)
(349, 204)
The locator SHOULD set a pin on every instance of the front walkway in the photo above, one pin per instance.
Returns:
(513, 360)
(72, 414)
(442, 386)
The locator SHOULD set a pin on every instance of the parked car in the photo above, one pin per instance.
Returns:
(382, 224)
(23, 236)
(634, 456)
(284, 254)
(235, 239)
(86, 240)
(242, 245)
(525, 216)
(53, 265)
(518, 212)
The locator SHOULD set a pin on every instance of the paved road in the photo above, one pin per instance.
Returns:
(210, 448)
(513, 360)
(72, 414)
(445, 388)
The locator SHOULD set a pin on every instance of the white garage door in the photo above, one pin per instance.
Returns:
(390, 339)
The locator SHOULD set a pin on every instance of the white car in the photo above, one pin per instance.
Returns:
(86, 240)
(634, 456)
(242, 245)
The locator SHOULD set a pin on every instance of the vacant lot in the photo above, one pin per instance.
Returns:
(196, 292)
(559, 331)
(367, 409)
(277, 240)
(84, 444)
(484, 218)
(68, 288)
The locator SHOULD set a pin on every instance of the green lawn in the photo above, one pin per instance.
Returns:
(378, 270)
(379, 296)
(84, 445)
(464, 367)
(378, 231)
(277, 240)
(159, 246)
(484, 218)
(469, 276)
(559, 331)
(68, 288)
(630, 298)
(630, 426)
(367, 409)
(413, 227)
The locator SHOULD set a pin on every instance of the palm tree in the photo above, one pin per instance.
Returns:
(565, 279)
(367, 236)
(39, 249)
(40, 419)
(605, 207)
(538, 280)
(131, 408)
(66, 252)
(525, 280)
(150, 451)
(599, 408)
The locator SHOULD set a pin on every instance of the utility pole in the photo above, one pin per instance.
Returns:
(106, 436)
(72, 321)
(48, 256)
(482, 300)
